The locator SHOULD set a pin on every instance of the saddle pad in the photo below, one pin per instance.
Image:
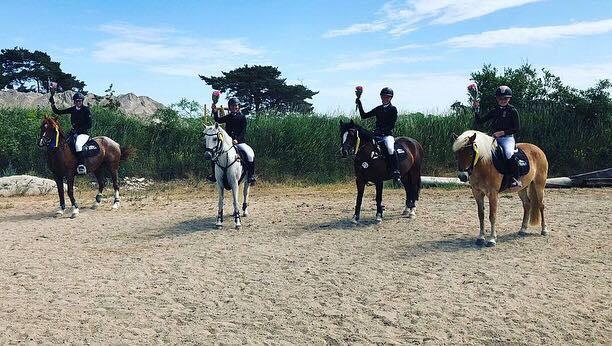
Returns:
(91, 148)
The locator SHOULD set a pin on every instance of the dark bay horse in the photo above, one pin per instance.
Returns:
(62, 163)
(474, 152)
(371, 166)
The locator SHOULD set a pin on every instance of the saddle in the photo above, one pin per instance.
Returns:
(501, 164)
(381, 150)
(90, 148)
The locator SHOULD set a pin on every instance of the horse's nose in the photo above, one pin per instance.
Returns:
(207, 155)
(463, 176)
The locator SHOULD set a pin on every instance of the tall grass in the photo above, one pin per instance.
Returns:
(305, 147)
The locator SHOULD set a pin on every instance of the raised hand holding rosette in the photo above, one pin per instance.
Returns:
(474, 96)
(358, 92)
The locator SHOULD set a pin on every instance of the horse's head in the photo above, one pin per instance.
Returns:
(350, 140)
(214, 138)
(467, 152)
(50, 132)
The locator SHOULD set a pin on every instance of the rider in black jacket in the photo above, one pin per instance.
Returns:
(235, 126)
(386, 116)
(505, 123)
(80, 118)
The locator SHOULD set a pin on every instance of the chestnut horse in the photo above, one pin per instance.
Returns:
(62, 163)
(371, 166)
(474, 153)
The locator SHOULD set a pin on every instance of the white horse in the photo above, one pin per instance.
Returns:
(228, 170)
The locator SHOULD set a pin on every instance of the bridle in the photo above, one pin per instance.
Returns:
(357, 140)
(217, 151)
(44, 140)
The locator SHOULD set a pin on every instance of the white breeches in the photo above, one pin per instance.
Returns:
(508, 144)
(250, 154)
(80, 142)
(390, 144)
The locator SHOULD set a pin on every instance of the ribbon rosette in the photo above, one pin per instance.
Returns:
(215, 96)
(358, 91)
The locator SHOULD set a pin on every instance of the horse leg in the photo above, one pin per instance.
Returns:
(219, 221)
(411, 186)
(379, 208)
(115, 179)
(59, 181)
(360, 188)
(75, 206)
(245, 199)
(100, 178)
(492, 212)
(236, 214)
(525, 199)
(479, 197)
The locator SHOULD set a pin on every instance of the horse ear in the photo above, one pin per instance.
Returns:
(473, 138)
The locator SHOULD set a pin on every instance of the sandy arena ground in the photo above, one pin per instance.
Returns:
(157, 271)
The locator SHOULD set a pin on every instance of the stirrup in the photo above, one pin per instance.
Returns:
(81, 169)
(211, 178)
(396, 174)
(516, 183)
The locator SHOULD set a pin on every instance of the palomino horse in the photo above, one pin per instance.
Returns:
(62, 163)
(474, 152)
(370, 166)
(229, 171)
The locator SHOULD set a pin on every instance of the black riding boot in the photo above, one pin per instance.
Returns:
(394, 166)
(211, 177)
(81, 169)
(251, 172)
(513, 162)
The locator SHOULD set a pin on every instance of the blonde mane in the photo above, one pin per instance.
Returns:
(485, 143)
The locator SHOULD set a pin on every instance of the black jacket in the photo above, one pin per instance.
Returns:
(502, 119)
(79, 118)
(235, 125)
(385, 118)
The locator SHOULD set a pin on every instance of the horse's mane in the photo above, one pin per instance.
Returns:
(363, 133)
(226, 137)
(55, 123)
(485, 143)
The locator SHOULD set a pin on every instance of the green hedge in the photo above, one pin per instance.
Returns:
(305, 147)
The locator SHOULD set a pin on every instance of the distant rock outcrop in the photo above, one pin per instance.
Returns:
(138, 106)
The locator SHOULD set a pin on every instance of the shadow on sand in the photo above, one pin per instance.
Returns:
(188, 227)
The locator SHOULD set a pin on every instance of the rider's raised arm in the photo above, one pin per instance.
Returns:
(218, 119)
(365, 115)
(59, 111)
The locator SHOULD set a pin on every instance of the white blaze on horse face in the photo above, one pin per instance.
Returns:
(344, 137)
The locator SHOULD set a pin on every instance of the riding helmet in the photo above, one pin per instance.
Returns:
(78, 96)
(233, 101)
(503, 91)
(386, 91)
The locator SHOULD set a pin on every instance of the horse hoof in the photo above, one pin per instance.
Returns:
(522, 232)
(74, 214)
(378, 219)
(412, 214)
(59, 213)
(545, 231)
(95, 206)
(238, 227)
(480, 241)
(355, 220)
(490, 243)
(115, 206)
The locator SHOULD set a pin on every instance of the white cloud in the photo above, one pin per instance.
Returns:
(168, 51)
(376, 58)
(516, 36)
(582, 76)
(402, 17)
(355, 29)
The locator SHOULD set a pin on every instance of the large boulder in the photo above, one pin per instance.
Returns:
(26, 185)
(138, 106)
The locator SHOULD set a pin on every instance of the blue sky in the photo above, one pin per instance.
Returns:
(423, 49)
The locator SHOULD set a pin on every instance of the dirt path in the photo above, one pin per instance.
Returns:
(157, 271)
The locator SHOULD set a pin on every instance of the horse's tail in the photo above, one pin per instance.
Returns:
(536, 196)
(127, 152)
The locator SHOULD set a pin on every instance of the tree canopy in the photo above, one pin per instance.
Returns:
(262, 88)
(23, 70)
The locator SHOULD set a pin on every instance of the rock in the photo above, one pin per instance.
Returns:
(26, 185)
(141, 107)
